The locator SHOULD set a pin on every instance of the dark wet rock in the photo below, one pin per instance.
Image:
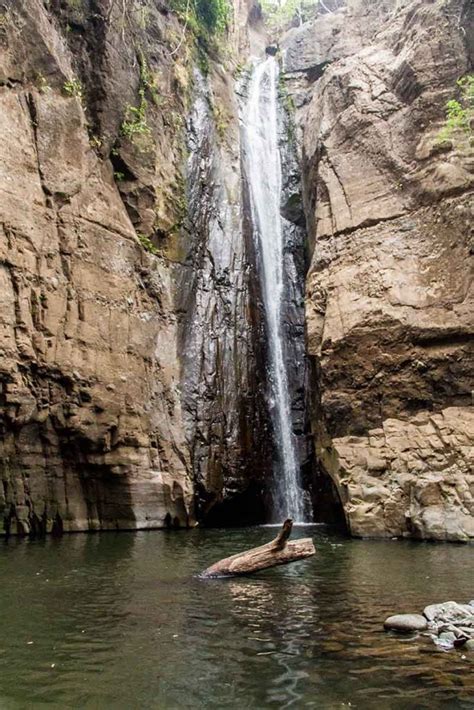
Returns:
(223, 329)
(460, 641)
(271, 50)
(222, 343)
(295, 268)
(406, 623)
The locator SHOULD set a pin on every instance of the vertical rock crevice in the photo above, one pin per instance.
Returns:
(224, 339)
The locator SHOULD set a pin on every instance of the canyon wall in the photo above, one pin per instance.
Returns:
(389, 306)
(222, 344)
(92, 433)
(133, 375)
(133, 383)
(97, 251)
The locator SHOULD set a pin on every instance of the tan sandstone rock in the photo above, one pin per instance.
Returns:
(389, 300)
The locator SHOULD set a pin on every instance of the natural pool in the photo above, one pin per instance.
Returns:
(119, 621)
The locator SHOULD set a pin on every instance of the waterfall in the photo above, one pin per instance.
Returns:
(263, 171)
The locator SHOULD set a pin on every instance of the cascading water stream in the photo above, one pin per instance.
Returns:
(263, 171)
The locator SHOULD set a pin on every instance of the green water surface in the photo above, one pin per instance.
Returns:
(121, 621)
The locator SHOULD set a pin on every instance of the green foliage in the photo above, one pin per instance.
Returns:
(119, 176)
(143, 17)
(148, 80)
(459, 112)
(214, 14)
(281, 13)
(221, 119)
(73, 87)
(239, 70)
(147, 244)
(288, 103)
(41, 83)
(204, 16)
(135, 122)
(95, 141)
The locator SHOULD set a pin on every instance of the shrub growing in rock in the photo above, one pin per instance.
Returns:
(459, 112)
(73, 87)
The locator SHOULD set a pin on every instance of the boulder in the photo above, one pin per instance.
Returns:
(406, 623)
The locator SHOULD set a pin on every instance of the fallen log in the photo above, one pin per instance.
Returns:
(277, 552)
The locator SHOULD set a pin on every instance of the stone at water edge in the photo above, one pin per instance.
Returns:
(451, 625)
(406, 623)
(449, 612)
(447, 637)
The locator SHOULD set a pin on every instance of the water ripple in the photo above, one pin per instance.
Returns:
(121, 621)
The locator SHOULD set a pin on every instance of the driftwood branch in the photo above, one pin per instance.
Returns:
(277, 552)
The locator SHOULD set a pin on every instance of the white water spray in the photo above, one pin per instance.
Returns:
(263, 169)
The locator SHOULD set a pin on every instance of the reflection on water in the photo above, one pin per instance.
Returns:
(99, 621)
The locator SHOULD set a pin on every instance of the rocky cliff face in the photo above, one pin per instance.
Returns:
(91, 422)
(133, 351)
(226, 387)
(222, 338)
(389, 311)
(133, 369)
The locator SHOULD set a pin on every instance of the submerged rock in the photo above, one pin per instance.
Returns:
(447, 638)
(443, 642)
(406, 623)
